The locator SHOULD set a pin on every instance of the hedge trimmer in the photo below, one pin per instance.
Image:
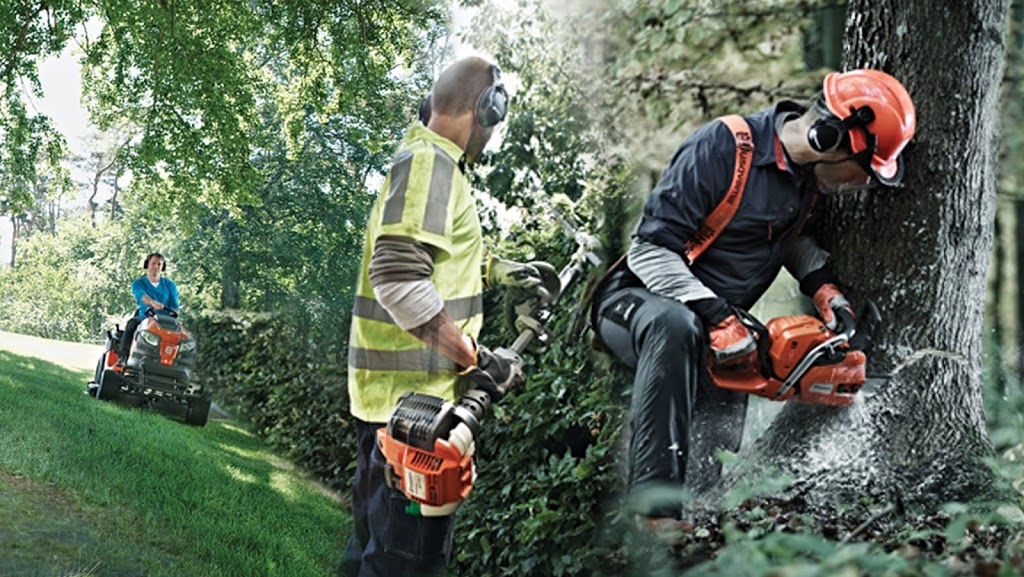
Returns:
(429, 442)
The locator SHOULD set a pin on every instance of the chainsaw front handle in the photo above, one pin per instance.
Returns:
(845, 317)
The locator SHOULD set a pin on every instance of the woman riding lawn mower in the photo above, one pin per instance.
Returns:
(158, 371)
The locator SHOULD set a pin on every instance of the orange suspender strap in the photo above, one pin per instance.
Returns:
(723, 213)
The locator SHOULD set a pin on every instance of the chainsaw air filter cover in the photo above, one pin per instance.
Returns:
(833, 378)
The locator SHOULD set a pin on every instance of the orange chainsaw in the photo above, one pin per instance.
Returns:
(799, 357)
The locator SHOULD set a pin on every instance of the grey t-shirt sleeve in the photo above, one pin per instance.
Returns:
(665, 273)
(400, 270)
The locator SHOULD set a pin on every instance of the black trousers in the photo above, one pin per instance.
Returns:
(128, 336)
(678, 417)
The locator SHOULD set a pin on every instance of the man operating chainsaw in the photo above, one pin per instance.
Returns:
(727, 214)
(418, 310)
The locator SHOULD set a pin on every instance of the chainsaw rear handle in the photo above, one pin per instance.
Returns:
(750, 321)
(859, 331)
(760, 334)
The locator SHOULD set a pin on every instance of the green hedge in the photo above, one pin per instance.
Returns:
(544, 502)
(259, 368)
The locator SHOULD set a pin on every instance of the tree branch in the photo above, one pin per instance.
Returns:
(10, 66)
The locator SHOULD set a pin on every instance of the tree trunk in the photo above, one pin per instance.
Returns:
(230, 294)
(921, 254)
(113, 200)
(996, 362)
(15, 226)
(1018, 214)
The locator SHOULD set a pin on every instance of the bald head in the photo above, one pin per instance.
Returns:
(460, 85)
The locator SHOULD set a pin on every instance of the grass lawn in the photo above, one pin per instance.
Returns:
(93, 488)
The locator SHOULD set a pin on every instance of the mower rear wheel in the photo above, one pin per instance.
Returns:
(109, 385)
(198, 412)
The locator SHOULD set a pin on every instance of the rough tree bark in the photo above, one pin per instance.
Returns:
(921, 254)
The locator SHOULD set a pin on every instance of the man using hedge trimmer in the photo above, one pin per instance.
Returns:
(418, 311)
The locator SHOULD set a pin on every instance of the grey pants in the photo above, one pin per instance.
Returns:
(678, 417)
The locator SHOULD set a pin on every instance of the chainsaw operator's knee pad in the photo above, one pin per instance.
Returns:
(676, 327)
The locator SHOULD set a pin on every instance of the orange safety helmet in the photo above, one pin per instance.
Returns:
(893, 122)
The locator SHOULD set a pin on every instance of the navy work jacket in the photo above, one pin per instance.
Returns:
(748, 254)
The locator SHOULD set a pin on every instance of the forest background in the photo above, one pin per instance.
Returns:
(246, 143)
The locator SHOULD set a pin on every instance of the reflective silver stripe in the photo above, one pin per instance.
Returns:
(395, 203)
(436, 215)
(415, 360)
(459, 309)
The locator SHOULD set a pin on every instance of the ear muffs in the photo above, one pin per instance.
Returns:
(424, 111)
(826, 135)
(829, 133)
(492, 105)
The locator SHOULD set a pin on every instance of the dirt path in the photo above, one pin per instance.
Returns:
(74, 356)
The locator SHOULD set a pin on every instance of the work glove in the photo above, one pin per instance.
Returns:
(731, 342)
(495, 372)
(524, 311)
(828, 299)
(536, 277)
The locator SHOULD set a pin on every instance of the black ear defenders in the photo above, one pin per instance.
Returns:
(829, 133)
(424, 111)
(145, 263)
(491, 106)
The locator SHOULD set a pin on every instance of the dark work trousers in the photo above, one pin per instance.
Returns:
(387, 540)
(678, 417)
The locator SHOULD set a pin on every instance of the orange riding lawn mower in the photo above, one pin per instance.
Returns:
(158, 373)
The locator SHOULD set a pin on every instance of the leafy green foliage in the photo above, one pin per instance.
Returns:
(29, 144)
(553, 129)
(548, 458)
(64, 286)
(686, 56)
(194, 78)
(292, 397)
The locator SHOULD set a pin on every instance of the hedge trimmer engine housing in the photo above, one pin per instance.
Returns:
(428, 444)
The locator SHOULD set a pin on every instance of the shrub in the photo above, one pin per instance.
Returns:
(257, 367)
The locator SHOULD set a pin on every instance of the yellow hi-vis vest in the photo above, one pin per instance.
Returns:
(425, 197)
